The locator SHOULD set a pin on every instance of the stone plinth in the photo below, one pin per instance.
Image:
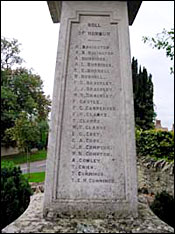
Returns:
(91, 163)
(31, 221)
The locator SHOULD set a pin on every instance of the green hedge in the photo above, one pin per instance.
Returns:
(15, 193)
(155, 143)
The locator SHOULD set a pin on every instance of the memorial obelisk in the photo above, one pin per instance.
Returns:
(91, 162)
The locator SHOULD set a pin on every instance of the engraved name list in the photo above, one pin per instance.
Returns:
(92, 109)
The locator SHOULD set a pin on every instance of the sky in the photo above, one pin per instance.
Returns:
(30, 23)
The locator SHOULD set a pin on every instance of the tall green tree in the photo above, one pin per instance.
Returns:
(143, 97)
(21, 91)
(26, 134)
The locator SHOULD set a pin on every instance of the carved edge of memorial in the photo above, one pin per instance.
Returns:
(55, 10)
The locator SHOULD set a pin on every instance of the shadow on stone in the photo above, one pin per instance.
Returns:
(163, 207)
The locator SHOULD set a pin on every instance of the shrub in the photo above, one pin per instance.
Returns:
(15, 193)
(156, 143)
(163, 207)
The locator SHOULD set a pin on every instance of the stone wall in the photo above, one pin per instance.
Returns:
(155, 176)
(5, 151)
(9, 151)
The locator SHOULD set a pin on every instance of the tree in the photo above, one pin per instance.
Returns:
(8, 106)
(21, 91)
(165, 41)
(25, 133)
(43, 129)
(9, 53)
(143, 97)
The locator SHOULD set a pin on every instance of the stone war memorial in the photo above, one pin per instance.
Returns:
(91, 174)
(91, 162)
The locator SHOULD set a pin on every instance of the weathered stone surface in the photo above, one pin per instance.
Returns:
(31, 221)
(150, 181)
(155, 176)
(91, 163)
(37, 187)
(55, 10)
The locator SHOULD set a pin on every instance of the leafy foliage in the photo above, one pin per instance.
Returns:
(25, 132)
(15, 193)
(165, 41)
(143, 97)
(10, 53)
(155, 143)
(163, 207)
(21, 91)
(43, 127)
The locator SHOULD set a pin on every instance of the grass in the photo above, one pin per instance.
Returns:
(22, 158)
(36, 177)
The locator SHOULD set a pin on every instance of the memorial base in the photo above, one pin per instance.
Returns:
(89, 210)
(32, 221)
